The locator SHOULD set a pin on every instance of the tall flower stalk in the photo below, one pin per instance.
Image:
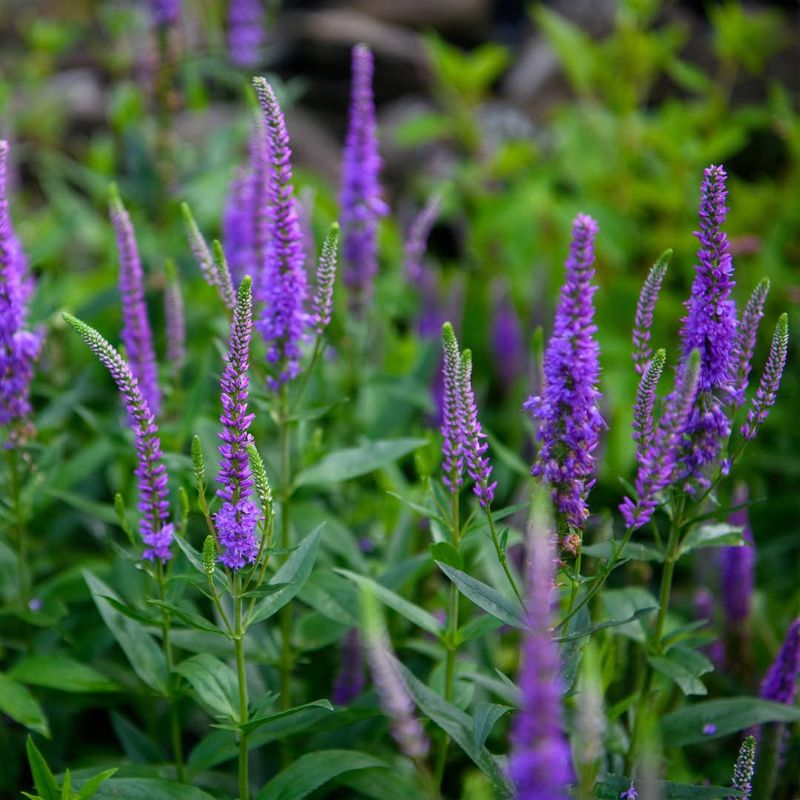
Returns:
(360, 199)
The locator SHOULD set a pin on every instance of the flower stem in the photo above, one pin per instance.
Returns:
(172, 708)
(238, 642)
(286, 611)
(450, 658)
(15, 491)
(501, 555)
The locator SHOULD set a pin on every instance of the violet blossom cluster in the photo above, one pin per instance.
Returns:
(165, 13)
(645, 307)
(237, 519)
(567, 410)
(540, 762)
(452, 427)
(360, 197)
(738, 564)
(19, 348)
(245, 32)
(136, 335)
(744, 768)
(507, 339)
(174, 320)
(350, 680)
(416, 243)
(154, 526)
(281, 286)
(780, 682)
(479, 467)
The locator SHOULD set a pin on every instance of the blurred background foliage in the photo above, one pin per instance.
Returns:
(519, 115)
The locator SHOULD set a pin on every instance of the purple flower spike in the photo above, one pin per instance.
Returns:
(658, 462)
(540, 763)
(643, 320)
(175, 322)
(737, 568)
(350, 680)
(361, 203)
(156, 530)
(780, 682)
(136, 334)
(710, 327)
(417, 237)
(744, 768)
(479, 467)
(507, 340)
(245, 32)
(745, 342)
(282, 286)
(326, 275)
(454, 444)
(770, 381)
(165, 13)
(567, 413)
(643, 423)
(390, 686)
(238, 518)
(19, 348)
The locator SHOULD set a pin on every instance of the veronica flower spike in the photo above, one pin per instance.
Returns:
(361, 203)
(19, 348)
(245, 32)
(453, 434)
(744, 768)
(154, 525)
(567, 411)
(238, 518)
(540, 764)
(479, 468)
(643, 320)
(745, 342)
(326, 275)
(282, 286)
(136, 334)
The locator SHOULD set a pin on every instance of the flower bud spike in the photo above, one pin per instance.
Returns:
(745, 342)
(643, 319)
(226, 291)
(209, 555)
(122, 516)
(645, 402)
(263, 488)
(452, 414)
(326, 275)
(745, 767)
(198, 464)
(175, 320)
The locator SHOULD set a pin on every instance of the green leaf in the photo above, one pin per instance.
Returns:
(712, 534)
(611, 623)
(93, 784)
(620, 604)
(478, 626)
(215, 683)
(633, 551)
(486, 715)
(686, 725)
(355, 461)
(148, 789)
(143, 654)
(447, 554)
(43, 779)
(486, 597)
(313, 770)
(423, 511)
(413, 613)
(19, 704)
(293, 574)
(680, 670)
(255, 724)
(56, 671)
(615, 785)
(458, 726)
(187, 617)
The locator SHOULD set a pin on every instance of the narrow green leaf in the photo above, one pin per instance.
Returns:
(353, 462)
(259, 722)
(712, 534)
(43, 779)
(93, 784)
(485, 597)
(611, 623)
(486, 715)
(19, 704)
(143, 654)
(633, 551)
(187, 617)
(215, 684)
(614, 786)
(56, 671)
(293, 574)
(686, 726)
(313, 770)
(148, 789)
(413, 613)
(447, 554)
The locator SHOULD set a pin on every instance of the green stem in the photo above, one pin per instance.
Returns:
(172, 708)
(238, 642)
(576, 581)
(646, 674)
(21, 534)
(286, 611)
(307, 373)
(501, 555)
(450, 658)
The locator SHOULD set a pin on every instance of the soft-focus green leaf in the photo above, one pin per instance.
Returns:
(19, 704)
(187, 617)
(686, 726)
(484, 719)
(260, 722)
(56, 671)
(486, 597)
(43, 779)
(91, 786)
(144, 655)
(148, 789)
(613, 787)
(712, 534)
(633, 550)
(313, 770)
(355, 461)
